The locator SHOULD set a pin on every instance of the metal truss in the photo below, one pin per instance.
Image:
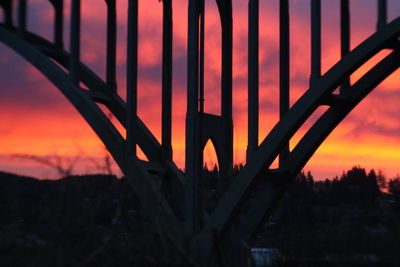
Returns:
(175, 204)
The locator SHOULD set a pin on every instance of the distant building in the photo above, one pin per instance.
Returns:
(265, 256)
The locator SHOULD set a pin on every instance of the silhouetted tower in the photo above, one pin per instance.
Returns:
(200, 126)
(173, 198)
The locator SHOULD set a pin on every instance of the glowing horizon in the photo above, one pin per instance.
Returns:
(368, 137)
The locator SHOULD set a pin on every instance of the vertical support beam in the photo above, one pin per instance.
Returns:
(201, 78)
(167, 81)
(192, 162)
(315, 41)
(226, 86)
(111, 45)
(22, 16)
(200, 165)
(132, 69)
(58, 22)
(8, 14)
(253, 77)
(75, 41)
(382, 14)
(345, 38)
(284, 68)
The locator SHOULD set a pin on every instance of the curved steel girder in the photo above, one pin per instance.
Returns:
(310, 142)
(79, 99)
(146, 140)
(233, 199)
(260, 205)
(101, 94)
(160, 212)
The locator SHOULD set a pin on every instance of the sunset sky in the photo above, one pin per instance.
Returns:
(36, 119)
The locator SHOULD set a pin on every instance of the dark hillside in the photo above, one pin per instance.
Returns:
(89, 220)
(346, 221)
(95, 220)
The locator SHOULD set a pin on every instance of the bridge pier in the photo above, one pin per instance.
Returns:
(167, 82)
(253, 78)
(284, 69)
(219, 237)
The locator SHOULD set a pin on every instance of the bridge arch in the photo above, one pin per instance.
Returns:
(335, 114)
(314, 137)
(240, 209)
(209, 147)
(79, 98)
(98, 89)
(283, 131)
(319, 94)
(40, 53)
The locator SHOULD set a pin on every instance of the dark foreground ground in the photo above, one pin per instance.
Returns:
(95, 221)
(75, 221)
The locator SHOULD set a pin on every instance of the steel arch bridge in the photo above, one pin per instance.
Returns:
(175, 206)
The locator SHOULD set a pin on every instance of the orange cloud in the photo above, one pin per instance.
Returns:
(371, 131)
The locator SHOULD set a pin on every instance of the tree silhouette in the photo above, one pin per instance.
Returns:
(394, 186)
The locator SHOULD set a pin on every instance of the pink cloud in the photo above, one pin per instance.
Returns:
(377, 111)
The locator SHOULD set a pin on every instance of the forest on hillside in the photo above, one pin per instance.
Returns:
(95, 220)
(350, 220)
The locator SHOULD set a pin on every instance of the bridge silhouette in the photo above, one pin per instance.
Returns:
(172, 198)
